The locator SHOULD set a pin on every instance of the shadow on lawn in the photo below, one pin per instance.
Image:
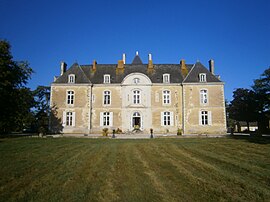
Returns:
(253, 138)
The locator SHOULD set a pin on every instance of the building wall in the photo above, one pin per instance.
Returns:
(215, 105)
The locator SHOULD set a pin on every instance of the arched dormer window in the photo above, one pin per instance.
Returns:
(166, 78)
(71, 78)
(202, 77)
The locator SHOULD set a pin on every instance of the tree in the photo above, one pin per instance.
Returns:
(16, 100)
(42, 108)
(244, 106)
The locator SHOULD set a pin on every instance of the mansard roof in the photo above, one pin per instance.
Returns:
(86, 74)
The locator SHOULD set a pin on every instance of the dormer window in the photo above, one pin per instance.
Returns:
(107, 78)
(166, 78)
(136, 80)
(71, 78)
(202, 77)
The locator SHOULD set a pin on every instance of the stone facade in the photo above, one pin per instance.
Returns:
(88, 98)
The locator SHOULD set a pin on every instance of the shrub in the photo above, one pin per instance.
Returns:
(105, 132)
(118, 131)
(179, 131)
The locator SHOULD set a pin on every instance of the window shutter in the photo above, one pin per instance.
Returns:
(200, 118)
(73, 118)
(209, 118)
(172, 119)
(161, 119)
(101, 119)
(64, 119)
(111, 119)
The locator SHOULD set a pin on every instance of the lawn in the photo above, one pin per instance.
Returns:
(191, 169)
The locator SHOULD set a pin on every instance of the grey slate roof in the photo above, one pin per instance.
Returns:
(137, 60)
(193, 75)
(85, 74)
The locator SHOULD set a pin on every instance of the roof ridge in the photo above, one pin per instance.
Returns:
(189, 72)
(83, 72)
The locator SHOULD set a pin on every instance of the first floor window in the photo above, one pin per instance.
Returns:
(70, 97)
(203, 97)
(166, 97)
(107, 98)
(205, 118)
(69, 119)
(136, 97)
(167, 118)
(106, 119)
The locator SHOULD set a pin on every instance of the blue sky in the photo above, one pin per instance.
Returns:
(235, 33)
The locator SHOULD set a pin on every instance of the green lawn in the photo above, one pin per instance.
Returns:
(193, 169)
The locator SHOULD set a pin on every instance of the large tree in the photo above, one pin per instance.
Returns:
(16, 100)
(244, 106)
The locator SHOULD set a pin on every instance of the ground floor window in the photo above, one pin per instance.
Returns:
(205, 118)
(69, 119)
(167, 118)
(106, 119)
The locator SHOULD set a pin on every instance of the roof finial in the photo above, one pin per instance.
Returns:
(137, 52)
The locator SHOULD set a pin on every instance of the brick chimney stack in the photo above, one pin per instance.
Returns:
(63, 67)
(94, 65)
(183, 67)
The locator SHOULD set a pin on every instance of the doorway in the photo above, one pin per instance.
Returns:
(136, 120)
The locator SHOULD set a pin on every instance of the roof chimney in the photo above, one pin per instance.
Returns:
(120, 64)
(63, 67)
(124, 58)
(211, 66)
(94, 65)
(183, 67)
(150, 62)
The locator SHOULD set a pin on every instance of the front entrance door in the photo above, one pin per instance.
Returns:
(136, 120)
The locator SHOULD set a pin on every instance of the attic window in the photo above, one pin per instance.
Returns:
(202, 77)
(107, 78)
(166, 78)
(136, 80)
(71, 78)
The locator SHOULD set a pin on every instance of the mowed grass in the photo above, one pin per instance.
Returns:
(193, 169)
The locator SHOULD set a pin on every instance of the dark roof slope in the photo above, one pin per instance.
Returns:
(137, 60)
(193, 75)
(75, 69)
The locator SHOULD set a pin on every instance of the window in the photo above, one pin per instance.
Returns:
(107, 78)
(136, 80)
(202, 77)
(106, 118)
(69, 119)
(167, 118)
(166, 97)
(107, 98)
(136, 97)
(166, 78)
(70, 97)
(71, 78)
(205, 118)
(203, 97)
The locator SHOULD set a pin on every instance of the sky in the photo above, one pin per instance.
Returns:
(234, 33)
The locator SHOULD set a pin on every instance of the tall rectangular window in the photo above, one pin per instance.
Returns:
(166, 97)
(204, 118)
(136, 97)
(107, 78)
(70, 97)
(69, 119)
(107, 98)
(203, 96)
(106, 118)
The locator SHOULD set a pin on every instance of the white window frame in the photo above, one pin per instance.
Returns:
(136, 97)
(202, 77)
(69, 119)
(166, 78)
(106, 78)
(204, 96)
(107, 97)
(70, 97)
(71, 78)
(106, 119)
(205, 118)
(167, 118)
(166, 97)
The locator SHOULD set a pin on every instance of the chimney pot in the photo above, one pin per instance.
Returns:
(149, 56)
(94, 65)
(124, 58)
(137, 52)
